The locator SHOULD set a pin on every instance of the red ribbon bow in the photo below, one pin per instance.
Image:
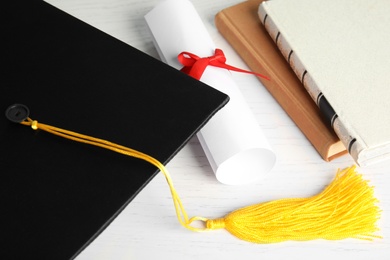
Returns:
(195, 66)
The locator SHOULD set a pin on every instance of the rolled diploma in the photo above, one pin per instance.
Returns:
(233, 142)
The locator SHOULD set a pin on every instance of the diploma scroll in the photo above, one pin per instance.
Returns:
(233, 142)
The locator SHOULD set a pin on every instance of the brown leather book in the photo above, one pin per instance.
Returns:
(241, 27)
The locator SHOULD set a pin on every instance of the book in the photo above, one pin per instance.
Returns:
(339, 51)
(57, 195)
(241, 27)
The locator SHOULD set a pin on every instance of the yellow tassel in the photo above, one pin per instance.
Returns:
(345, 209)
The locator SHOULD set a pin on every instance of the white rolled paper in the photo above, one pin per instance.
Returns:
(233, 142)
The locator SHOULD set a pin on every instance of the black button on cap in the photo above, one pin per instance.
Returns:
(17, 113)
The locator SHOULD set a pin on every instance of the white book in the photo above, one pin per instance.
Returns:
(340, 50)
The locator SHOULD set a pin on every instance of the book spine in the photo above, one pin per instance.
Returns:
(331, 117)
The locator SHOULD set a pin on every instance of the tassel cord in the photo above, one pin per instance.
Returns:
(181, 214)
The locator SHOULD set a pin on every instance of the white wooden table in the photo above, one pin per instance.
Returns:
(148, 228)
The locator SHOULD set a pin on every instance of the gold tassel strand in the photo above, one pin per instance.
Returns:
(345, 209)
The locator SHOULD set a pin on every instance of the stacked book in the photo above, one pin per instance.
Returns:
(328, 68)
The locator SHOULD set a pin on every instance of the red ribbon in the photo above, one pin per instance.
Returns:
(195, 66)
